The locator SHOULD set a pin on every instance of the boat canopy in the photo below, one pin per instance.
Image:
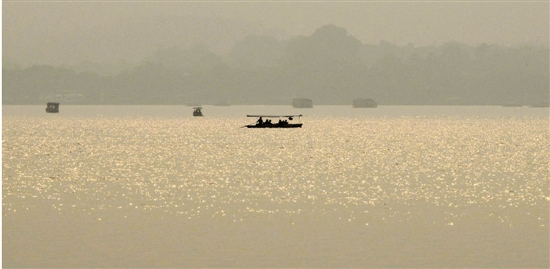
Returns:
(274, 116)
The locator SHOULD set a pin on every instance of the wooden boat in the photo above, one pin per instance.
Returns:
(52, 107)
(197, 112)
(260, 123)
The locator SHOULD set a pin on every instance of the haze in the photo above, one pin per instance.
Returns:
(65, 33)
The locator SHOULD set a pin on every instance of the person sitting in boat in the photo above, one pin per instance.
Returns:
(260, 121)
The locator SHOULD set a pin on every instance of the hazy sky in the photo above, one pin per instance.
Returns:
(71, 31)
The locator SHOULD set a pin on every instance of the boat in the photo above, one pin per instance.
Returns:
(52, 107)
(197, 112)
(364, 103)
(302, 103)
(260, 123)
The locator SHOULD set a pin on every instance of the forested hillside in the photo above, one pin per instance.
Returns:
(330, 67)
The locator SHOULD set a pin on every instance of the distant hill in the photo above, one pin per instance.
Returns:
(330, 66)
(128, 39)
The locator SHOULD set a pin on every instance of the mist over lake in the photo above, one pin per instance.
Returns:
(104, 163)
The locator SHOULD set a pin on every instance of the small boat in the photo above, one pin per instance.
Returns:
(260, 123)
(197, 112)
(52, 107)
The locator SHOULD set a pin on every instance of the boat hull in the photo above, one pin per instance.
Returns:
(295, 125)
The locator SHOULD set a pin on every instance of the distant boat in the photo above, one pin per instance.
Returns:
(197, 112)
(363, 103)
(302, 103)
(52, 107)
(260, 123)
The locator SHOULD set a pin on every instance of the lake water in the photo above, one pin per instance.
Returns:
(152, 186)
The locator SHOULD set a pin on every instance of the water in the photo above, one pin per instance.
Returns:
(152, 186)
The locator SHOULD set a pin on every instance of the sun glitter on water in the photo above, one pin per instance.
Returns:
(359, 169)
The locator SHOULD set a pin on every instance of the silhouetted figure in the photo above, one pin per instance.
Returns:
(260, 121)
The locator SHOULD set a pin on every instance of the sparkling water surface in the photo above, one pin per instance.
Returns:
(152, 186)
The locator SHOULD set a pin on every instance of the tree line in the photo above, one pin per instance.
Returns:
(330, 67)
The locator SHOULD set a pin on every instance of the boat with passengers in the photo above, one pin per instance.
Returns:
(52, 107)
(281, 123)
(197, 112)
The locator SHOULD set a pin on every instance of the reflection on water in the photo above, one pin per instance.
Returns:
(352, 189)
